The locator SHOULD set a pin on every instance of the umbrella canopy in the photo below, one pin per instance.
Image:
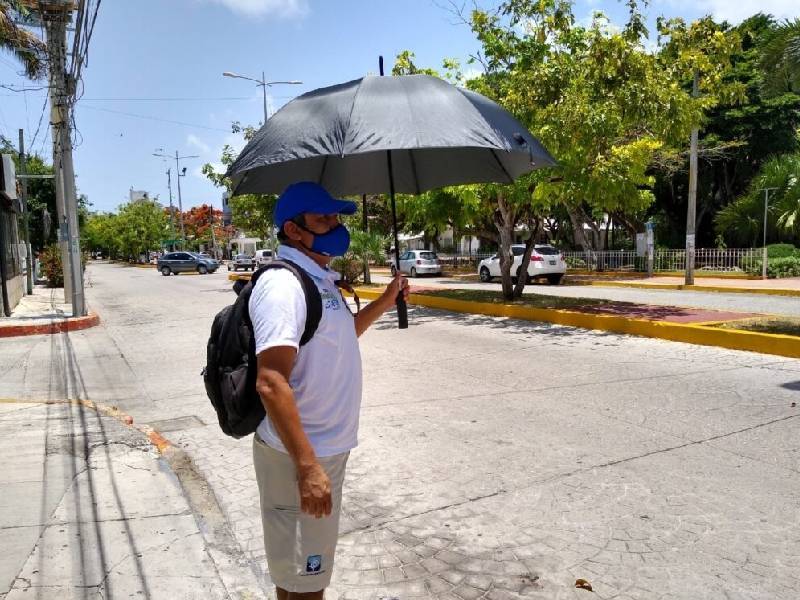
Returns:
(435, 134)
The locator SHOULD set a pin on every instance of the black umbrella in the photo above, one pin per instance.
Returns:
(405, 134)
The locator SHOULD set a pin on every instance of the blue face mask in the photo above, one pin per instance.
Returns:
(334, 243)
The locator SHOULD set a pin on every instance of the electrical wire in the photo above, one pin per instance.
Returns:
(39, 125)
(151, 118)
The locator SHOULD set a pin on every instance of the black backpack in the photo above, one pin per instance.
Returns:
(230, 372)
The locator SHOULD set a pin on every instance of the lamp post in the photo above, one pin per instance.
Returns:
(764, 256)
(264, 84)
(180, 173)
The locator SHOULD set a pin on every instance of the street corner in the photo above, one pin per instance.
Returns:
(47, 326)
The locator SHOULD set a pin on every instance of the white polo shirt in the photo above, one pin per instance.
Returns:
(326, 378)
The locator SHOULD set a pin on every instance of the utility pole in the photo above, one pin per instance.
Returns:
(211, 220)
(764, 257)
(25, 212)
(55, 16)
(179, 174)
(171, 211)
(691, 213)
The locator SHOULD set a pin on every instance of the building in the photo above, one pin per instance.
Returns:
(134, 195)
(12, 275)
(227, 215)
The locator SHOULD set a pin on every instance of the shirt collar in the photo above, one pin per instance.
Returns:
(305, 263)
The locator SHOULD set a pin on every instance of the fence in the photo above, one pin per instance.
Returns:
(705, 259)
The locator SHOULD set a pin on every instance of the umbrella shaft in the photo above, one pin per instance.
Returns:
(402, 309)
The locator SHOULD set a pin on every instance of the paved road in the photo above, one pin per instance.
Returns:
(779, 305)
(499, 459)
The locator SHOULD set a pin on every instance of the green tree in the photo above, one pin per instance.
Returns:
(139, 227)
(251, 213)
(743, 221)
(781, 59)
(603, 106)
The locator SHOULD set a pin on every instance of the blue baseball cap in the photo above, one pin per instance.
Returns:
(309, 197)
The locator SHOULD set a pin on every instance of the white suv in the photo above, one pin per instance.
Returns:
(262, 257)
(546, 261)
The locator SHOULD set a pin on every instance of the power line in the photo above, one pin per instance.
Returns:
(151, 118)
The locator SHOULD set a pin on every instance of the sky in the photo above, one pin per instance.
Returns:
(154, 83)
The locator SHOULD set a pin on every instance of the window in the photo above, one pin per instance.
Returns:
(170, 256)
(547, 250)
(518, 250)
(182, 256)
(428, 255)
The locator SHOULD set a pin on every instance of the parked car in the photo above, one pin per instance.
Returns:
(418, 262)
(262, 257)
(546, 262)
(185, 262)
(242, 261)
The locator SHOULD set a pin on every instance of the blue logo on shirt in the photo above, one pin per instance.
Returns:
(330, 300)
(313, 563)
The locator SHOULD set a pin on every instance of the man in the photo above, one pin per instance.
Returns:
(311, 393)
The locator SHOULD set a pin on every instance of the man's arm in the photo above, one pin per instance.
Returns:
(370, 313)
(272, 383)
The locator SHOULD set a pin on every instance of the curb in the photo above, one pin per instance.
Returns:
(53, 327)
(160, 442)
(764, 343)
(695, 288)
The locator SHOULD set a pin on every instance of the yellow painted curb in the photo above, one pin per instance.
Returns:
(697, 288)
(765, 343)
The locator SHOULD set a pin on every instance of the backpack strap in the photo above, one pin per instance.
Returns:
(310, 290)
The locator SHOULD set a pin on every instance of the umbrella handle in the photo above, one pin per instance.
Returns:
(402, 312)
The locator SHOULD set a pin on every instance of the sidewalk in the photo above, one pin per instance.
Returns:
(789, 286)
(89, 509)
(44, 312)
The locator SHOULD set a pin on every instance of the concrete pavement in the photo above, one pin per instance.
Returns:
(498, 459)
(89, 510)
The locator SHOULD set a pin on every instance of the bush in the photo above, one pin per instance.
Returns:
(788, 266)
(782, 251)
(50, 260)
(350, 267)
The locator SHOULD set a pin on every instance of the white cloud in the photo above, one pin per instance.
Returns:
(286, 9)
(196, 142)
(736, 12)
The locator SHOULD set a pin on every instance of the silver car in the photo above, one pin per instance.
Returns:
(418, 262)
(241, 261)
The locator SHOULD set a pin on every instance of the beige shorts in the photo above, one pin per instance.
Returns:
(300, 548)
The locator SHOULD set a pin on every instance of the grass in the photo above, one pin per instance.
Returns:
(778, 325)
(533, 300)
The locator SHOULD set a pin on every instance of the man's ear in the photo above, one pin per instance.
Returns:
(292, 231)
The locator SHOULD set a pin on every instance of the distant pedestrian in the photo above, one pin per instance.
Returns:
(311, 392)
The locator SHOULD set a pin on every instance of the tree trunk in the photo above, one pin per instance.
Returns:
(577, 220)
(504, 220)
(522, 276)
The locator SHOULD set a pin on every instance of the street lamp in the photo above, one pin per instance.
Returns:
(764, 258)
(263, 84)
(180, 173)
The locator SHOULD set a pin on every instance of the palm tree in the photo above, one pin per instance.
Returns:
(742, 220)
(24, 45)
(780, 58)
